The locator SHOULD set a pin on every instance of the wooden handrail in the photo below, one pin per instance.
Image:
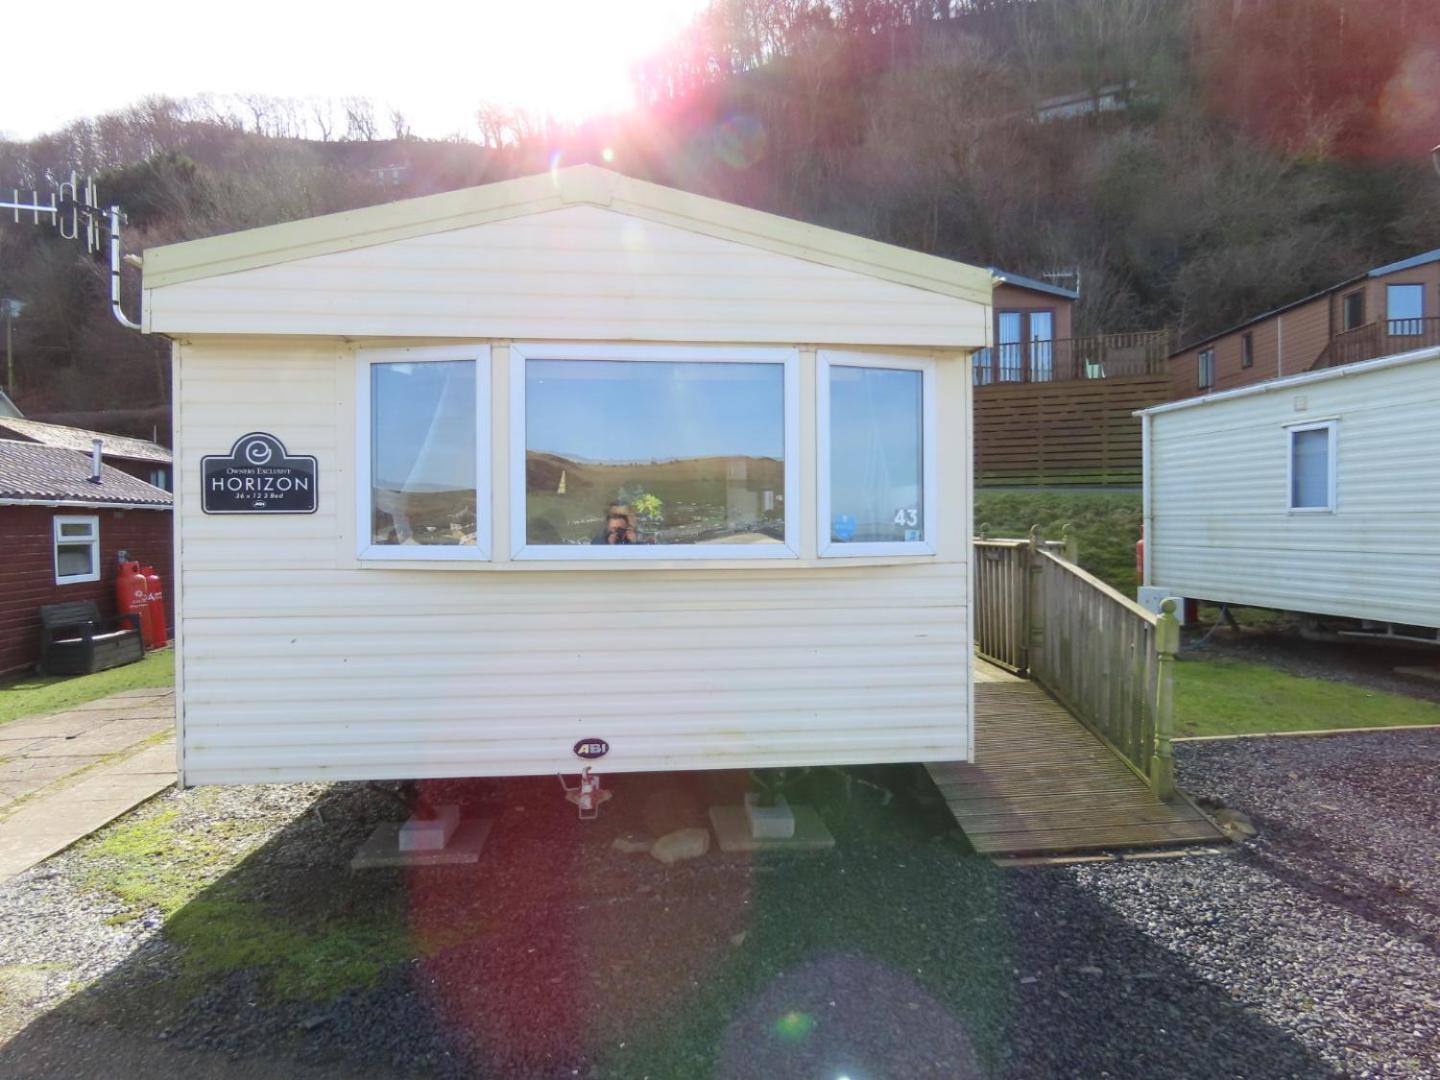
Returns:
(1109, 661)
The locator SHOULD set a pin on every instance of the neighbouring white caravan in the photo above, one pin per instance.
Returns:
(490, 482)
(1318, 493)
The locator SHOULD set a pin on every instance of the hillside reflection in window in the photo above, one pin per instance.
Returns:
(422, 464)
(876, 455)
(654, 452)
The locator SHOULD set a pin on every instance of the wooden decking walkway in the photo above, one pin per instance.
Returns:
(1042, 783)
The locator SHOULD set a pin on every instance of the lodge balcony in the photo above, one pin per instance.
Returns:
(1377, 339)
(1100, 356)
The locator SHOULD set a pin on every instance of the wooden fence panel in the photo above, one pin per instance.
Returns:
(1001, 620)
(1063, 433)
(1098, 658)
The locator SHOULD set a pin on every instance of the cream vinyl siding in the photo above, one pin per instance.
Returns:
(1220, 526)
(298, 662)
(573, 273)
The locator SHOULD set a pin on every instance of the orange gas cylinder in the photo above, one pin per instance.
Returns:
(131, 589)
(156, 633)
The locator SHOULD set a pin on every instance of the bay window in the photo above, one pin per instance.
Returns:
(876, 455)
(653, 452)
(423, 476)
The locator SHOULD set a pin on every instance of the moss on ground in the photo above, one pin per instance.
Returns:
(1231, 697)
(38, 694)
(1106, 525)
(183, 872)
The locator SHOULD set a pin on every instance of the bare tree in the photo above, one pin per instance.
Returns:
(322, 111)
(359, 119)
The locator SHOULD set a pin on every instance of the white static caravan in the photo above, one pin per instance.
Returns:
(1318, 493)
(491, 482)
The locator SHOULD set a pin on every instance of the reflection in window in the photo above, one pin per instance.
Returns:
(654, 452)
(422, 464)
(876, 455)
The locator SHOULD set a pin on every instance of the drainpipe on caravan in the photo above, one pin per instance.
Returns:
(1279, 345)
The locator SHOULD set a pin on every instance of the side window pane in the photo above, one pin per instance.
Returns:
(422, 453)
(876, 455)
(654, 452)
(1310, 469)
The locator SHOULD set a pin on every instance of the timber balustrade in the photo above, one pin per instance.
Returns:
(1100, 356)
(1106, 659)
(1388, 337)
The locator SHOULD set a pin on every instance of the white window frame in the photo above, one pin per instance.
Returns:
(1331, 427)
(1205, 364)
(93, 521)
(365, 548)
(825, 545)
(522, 551)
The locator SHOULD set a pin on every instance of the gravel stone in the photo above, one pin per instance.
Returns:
(1310, 950)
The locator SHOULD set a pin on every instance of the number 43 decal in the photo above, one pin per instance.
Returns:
(907, 518)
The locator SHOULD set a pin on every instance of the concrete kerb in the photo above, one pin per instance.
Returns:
(1315, 734)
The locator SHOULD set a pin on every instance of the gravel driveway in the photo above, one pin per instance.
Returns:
(1308, 952)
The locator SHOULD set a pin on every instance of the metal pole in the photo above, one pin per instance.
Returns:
(9, 356)
(115, 271)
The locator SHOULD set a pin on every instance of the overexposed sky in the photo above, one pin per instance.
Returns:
(435, 62)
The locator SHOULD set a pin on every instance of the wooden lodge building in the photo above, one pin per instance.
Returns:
(1053, 409)
(1382, 312)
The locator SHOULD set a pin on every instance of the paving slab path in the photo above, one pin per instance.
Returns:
(64, 775)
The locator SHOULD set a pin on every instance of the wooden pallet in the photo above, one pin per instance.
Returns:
(1042, 783)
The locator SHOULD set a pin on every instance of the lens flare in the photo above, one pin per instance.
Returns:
(740, 141)
(794, 1026)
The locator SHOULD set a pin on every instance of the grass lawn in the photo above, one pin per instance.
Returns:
(1107, 524)
(1231, 697)
(36, 694)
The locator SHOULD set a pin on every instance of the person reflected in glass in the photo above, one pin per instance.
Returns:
(619, 527)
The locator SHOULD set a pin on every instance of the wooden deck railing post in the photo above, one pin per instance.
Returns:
(1033, 624)
(1072, 544)
(1167, 644)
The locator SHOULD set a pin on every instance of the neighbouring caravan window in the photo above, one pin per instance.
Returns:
(77, 549)
(424, 464)
(634, 452)
(1352, 312)
(1205, 363)
(1404, 309)
(1247, 350)
(877, 461)
(1312, 467)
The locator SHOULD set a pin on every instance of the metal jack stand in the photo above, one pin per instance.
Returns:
(587, 795)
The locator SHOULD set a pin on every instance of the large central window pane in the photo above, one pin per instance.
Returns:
(422, 463)
(654, 452)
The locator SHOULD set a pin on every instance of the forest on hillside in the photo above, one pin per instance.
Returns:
(1247, 153)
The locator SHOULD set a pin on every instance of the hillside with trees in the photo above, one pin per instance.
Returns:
(1216, 157)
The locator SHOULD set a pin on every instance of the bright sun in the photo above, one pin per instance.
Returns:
(434, 62)
(573, 59)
